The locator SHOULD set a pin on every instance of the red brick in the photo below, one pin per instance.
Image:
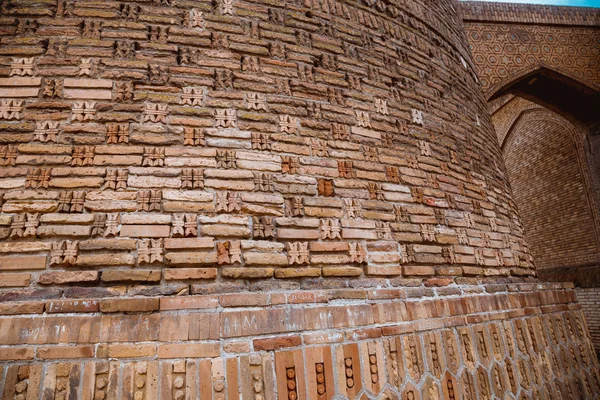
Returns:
(276, 343)
(129, 305)
(188, 302)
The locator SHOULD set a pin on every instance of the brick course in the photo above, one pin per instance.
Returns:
(509, 39)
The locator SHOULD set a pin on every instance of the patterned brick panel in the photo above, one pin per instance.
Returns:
(507, 40)
(505, 117)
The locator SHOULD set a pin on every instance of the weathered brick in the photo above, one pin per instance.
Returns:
(129, 305)
(138, 275)
(189, 350)
(49, 278)
(190, 273)
(58, 352)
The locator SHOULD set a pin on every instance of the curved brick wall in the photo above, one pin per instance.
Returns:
(174, 145)
(197, 148)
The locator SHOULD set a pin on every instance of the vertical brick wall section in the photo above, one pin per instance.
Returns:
(545, 172)
(589, 298)
(548, 163)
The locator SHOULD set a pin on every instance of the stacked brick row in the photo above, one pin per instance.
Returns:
(171, 144)
(504, 342)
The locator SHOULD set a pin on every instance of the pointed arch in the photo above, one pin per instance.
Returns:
(554, 89)
(501, 87)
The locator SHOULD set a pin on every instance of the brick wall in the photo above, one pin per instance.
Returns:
(589, 298)
(552, 163)
(509, 39)
(174, 173)
(529, 14)
(545, 172)
(224, 149)
(410, 343)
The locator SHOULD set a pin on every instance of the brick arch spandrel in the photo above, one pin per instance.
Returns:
(504, 52)
(505, 117)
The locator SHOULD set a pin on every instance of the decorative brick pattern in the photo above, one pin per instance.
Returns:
(419, 344)
(544, 215)
(554, 186)
(508, 39)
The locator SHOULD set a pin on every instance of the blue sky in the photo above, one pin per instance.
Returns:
(579, 3)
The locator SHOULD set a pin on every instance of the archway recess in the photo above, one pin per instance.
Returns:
(539, 68)
(555, 90)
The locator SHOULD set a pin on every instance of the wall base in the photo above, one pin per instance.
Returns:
(522, 341)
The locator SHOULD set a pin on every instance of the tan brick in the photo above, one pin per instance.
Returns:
(132, 350)
(190, 273)
(236, 347)
(105, 260)
(297, 272)
(247, 273)
(342, 271)
(191, 259)
(248, 300)
(421, 270)
(189, 243)
(64, 230)
(150, 231)
(188, 350)
(14, 279)
(72, 306)
(30, 307)
(22, 263)
(266, 259)
(137, 275)
(16, 353)
(190, 302)
(65, 352)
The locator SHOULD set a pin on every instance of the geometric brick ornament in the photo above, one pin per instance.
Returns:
(234, 184)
